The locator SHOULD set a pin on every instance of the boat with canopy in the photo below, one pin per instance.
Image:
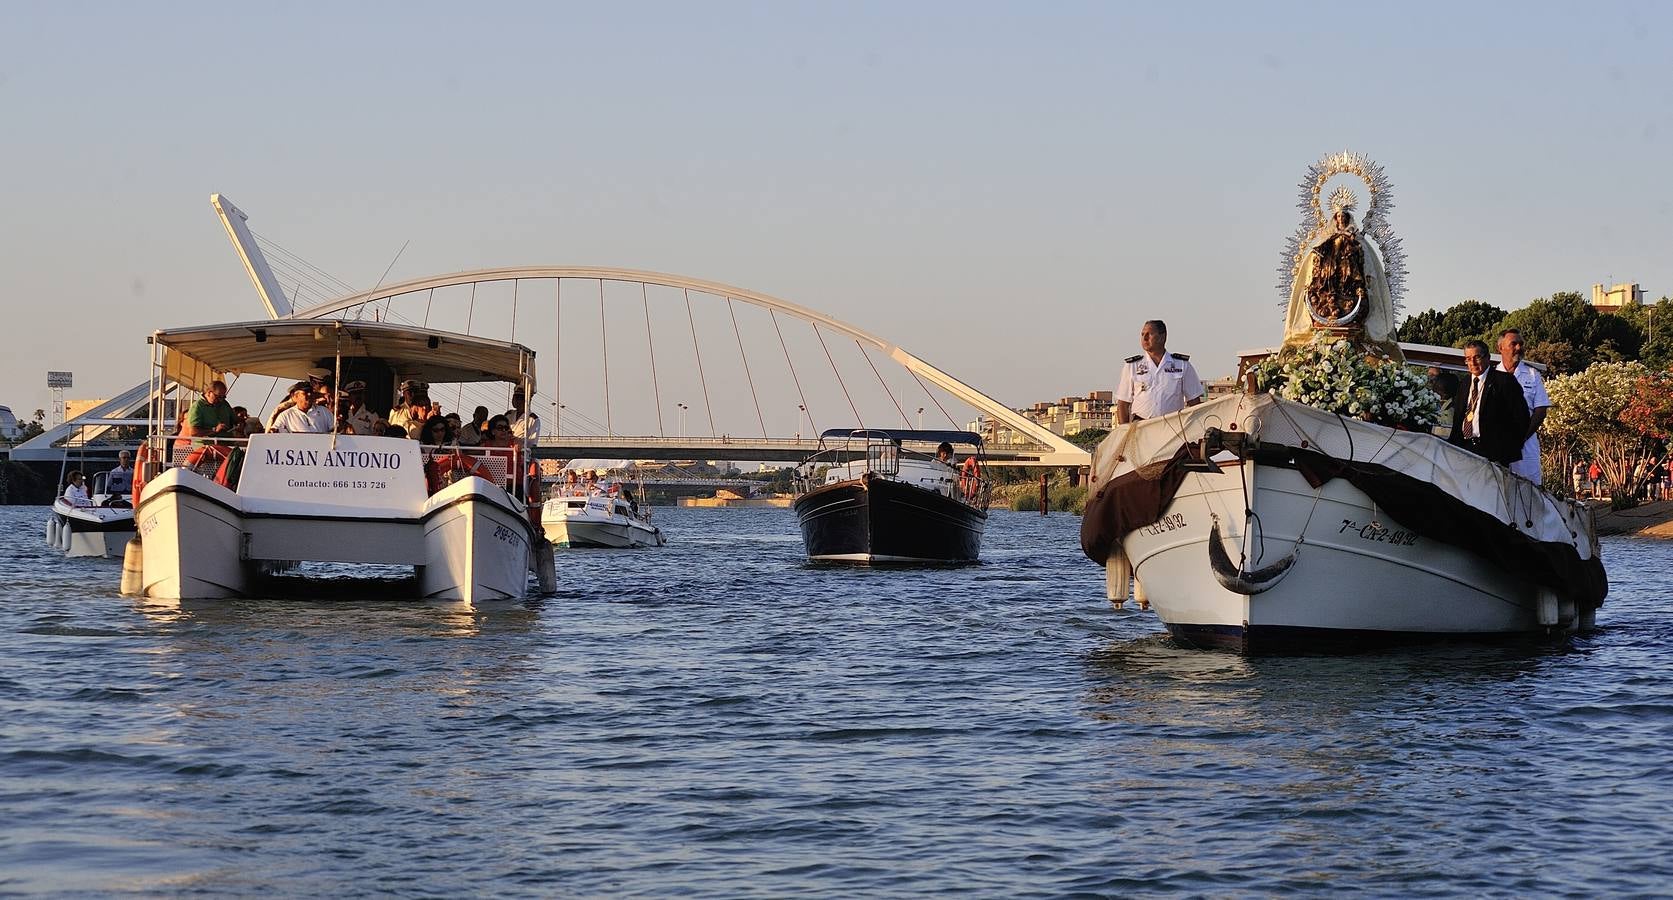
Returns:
(215, 515)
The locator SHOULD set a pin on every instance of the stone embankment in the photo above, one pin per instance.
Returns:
(1645, 520)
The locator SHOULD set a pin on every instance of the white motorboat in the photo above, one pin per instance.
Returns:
(579, 517)
(97, 530)
(455, 515)
(103, 526)
(1260, 523)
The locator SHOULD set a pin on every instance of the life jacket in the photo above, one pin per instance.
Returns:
(970, 478)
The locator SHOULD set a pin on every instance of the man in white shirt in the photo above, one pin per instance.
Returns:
(300, 417)
(120, 480)
(522, 423)
(1533, 391)
(1155, 382)
(359, 418)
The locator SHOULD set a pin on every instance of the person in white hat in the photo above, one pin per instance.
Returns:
(358, 418)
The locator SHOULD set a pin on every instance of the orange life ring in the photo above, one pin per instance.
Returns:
(970, 478)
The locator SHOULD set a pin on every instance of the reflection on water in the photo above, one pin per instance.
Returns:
(716, 718)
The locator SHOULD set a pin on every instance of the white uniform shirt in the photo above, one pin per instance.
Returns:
(363, 421)
(295, 421)
(1533, 391)
(529, 423)
(1156, 389)
(324, 421)
(76, 495)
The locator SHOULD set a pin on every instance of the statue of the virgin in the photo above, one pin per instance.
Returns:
(1338, 282)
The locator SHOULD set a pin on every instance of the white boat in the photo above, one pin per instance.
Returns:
(1258, 523)
(1307, 530)
(336, 497)
(102, 528)
(97, 530)
(578, 517)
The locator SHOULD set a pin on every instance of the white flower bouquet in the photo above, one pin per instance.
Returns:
(1336, 376)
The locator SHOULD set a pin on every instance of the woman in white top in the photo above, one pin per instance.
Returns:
(75, 492)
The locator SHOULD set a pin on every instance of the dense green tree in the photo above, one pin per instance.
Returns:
(1088, 439)
(1655, 322)
(1569, 334)
(1451, 327)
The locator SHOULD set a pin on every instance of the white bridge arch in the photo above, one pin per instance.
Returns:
(1057, 450)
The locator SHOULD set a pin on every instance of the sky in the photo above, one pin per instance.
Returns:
(1006, 190)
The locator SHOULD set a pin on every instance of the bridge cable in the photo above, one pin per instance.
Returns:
(732, 311)
(515, 284)
(469, 315)
(793, 376)
(840, 383)
(950, 420)
(557, 355)
(904, 421)
(431, 299)
(604, 336)
(656, 390)
(694, 348)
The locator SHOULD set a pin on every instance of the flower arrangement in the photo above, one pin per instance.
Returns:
(1334, 375)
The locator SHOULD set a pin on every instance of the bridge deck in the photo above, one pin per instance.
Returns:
(789, 450)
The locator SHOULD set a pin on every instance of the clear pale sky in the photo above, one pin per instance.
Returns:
(1006, 190)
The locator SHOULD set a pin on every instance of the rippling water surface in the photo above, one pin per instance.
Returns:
(714, 718)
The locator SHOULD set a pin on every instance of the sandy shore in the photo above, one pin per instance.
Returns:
(1647, 520)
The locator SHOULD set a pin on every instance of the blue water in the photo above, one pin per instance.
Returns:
(714, 719)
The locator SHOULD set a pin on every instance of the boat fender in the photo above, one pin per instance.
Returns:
(52, 530)
(1233, 578)
(133, 568)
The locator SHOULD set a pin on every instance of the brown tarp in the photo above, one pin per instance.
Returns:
(1130, 501)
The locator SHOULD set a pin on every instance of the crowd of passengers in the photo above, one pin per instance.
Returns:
(314, 406)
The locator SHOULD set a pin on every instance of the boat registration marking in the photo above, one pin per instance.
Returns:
(1167, 523)
(1376, 531)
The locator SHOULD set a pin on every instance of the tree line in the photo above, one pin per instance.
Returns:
(1563, 331)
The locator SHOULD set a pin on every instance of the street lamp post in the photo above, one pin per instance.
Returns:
(920, 418)
(801, 413)
(683, 408)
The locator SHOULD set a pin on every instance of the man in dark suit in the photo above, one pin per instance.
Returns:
(1492, 416)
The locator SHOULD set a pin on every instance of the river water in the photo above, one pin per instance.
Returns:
(715, 719)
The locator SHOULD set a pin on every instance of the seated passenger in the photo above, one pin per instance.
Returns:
(944, 453)
(75, 489)
(499, 433)
(438, 432)
(299, 417)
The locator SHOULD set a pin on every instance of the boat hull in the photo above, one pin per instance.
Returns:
(477, 546)
(192, 534)
(872, 520)
(575, 531)
(1358, 578)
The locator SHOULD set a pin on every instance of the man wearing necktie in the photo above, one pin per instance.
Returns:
(1493, 419)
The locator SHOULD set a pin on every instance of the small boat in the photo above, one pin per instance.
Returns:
(884, 497)
(597, 517)
(104, 527)
(456, 516)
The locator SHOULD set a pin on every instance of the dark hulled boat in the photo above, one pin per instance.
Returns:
(875, 500)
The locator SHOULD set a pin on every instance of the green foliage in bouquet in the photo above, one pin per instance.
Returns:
(1336, 376)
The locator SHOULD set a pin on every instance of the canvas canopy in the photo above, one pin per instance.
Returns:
(195, 356)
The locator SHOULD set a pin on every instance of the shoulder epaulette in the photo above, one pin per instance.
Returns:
(1134, 359)
(1184, 356)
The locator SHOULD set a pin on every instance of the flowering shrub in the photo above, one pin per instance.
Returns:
(1338, 377)
(1596, 408)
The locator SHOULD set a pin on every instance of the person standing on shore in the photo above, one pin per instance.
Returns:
(1533, 391)
(1155, 382)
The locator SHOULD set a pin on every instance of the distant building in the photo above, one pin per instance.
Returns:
(1220, 387)
(1617, 297)
(74, 408)
(1063, 416)
(9, 428)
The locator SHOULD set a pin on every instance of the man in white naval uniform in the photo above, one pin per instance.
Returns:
(1155, 382)
(1533, 391)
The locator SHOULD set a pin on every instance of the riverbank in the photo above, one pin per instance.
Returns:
(1645, 520)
